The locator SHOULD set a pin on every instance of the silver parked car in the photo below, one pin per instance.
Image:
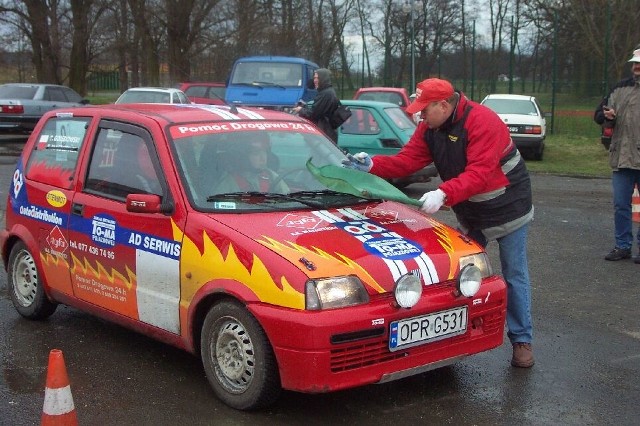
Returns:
(22, 104)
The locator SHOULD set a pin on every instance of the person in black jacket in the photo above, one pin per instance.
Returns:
(324, 104)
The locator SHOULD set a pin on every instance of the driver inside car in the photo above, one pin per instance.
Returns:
(248, 168)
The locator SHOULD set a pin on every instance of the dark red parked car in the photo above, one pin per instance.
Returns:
(204, 93)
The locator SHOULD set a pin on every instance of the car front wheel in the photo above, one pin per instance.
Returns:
(238, 358)
(25, 287)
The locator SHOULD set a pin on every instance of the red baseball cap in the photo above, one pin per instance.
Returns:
(430, 90)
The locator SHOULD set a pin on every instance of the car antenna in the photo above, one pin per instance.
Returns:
(233, 109)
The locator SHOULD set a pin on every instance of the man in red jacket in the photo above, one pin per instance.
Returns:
(485, 182)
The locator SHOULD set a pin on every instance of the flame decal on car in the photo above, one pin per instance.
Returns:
(210, 264)
(338, 264)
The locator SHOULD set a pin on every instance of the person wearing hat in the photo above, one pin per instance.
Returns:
(324, 104)
(621, 110)
(484, 181)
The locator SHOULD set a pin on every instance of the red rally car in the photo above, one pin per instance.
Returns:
(201, 226)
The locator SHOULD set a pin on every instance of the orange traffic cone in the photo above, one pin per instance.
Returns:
(58, 409)
(635, 205)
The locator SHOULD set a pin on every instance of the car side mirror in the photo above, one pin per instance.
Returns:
(146, 203)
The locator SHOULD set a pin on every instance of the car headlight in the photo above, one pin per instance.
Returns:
(473, 269)
(408, 290)
(480, 260)
(335, 292)
(469, 280)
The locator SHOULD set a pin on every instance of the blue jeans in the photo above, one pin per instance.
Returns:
(515, 270)
(623, 182)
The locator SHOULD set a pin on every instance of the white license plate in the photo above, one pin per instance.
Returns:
(427, 328)
(513, 129)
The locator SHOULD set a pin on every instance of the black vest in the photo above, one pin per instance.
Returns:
(448, 147)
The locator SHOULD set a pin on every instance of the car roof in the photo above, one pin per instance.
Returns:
(153, 89)
(180, 113)
(291, 59)
(382, 89)
(35, 85)
(202, 83)
(506, 96)
(375, 104)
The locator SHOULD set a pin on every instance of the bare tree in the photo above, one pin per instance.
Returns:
(498, 10)
(185, 22)
(148, 43)
(85, 14)
(40, 20)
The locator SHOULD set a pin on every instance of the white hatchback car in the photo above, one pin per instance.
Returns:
(153, 95)
(524, 117)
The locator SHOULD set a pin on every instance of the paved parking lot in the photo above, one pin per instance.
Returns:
(587, 347)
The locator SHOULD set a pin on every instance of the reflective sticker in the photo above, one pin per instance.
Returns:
(56, 198)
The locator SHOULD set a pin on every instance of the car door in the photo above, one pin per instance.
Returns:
(124, 261)
(366, 130)
(44, 190)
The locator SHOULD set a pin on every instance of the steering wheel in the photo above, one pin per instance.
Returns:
(300, 171)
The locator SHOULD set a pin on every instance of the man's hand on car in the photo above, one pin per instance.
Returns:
(360, 161)
(432, 201)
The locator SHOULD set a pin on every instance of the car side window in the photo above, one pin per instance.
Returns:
(55, 154)
(196, 91)
(182, 99)
(122, 164)
(54, 94)
(71, 95)
(361, 122)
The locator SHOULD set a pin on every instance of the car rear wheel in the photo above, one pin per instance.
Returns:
(538, 153)
(25, 287)
(238, 358)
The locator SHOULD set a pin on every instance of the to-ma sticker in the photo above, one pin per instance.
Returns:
(393, 248)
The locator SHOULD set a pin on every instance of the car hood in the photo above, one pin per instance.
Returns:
(378, 242)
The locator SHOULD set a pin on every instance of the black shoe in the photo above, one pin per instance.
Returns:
(619, 254)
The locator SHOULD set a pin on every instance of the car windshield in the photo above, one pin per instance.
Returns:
(268, 73)
(144, 96)
(382, 96)
(400, 118)
(17, 92)
(261, 168)
(511, 106)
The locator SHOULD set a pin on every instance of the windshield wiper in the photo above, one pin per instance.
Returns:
(268, 83)
(246, 195)
(326, 192)
(248, 85)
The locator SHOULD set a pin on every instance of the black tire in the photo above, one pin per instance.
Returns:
(25, 286)
(238, 359)
(538, 153)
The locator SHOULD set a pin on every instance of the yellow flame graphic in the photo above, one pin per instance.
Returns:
(210, 265)
(327, 264)
(444, 239)
(85, 268)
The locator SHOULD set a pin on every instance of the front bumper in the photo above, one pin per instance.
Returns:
(337, 349)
